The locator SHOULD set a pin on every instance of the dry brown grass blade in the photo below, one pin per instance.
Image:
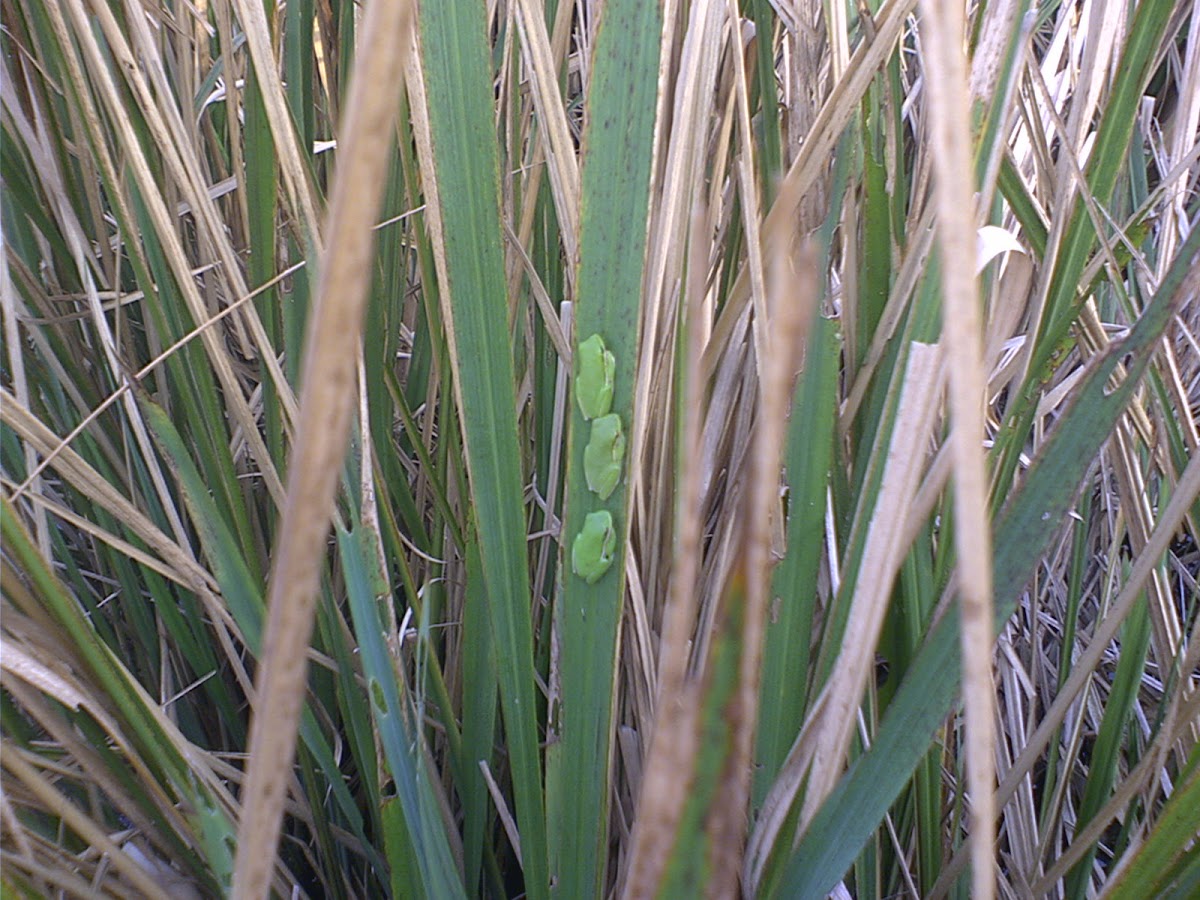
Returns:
(568, 170)
(1140, 785)
(253, 18)
(818, 147)
(676, 189)
(1137, 505)
(682, 190)
(37, 691)
(87, 422)
(178, 145)
(99, 490)
(37, 784)
(793, 285)
(943, 30)
(34, 138)
(751, 212)
(680, 194)
(672, 745)
(552, 121)
(882, 556)
(326, 407)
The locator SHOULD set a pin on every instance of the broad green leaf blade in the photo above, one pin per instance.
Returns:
(405, 873)
(455, 56)
(615, 177)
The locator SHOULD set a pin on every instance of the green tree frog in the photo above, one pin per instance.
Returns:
(594, 377)
(594, 546)
(603, 455)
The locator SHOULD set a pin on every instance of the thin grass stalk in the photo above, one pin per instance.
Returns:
(155, 205)
(671, 746)
(322, 430)
(793, 303)
(943, 25)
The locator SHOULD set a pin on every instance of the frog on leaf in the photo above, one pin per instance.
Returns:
(603, 455)
(594, 370)
(594, 547)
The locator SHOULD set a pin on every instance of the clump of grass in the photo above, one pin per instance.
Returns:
(901, 577)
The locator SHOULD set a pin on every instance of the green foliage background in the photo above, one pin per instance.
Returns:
(681, 179)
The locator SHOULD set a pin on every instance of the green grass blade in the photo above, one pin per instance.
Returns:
(479, 716)
(158, 748)
(1166, 864)
(402, 749)
(1102, 767)
(1111, 146)
(784, 695)
(615, 177)
(242, 591)
(456, 61)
